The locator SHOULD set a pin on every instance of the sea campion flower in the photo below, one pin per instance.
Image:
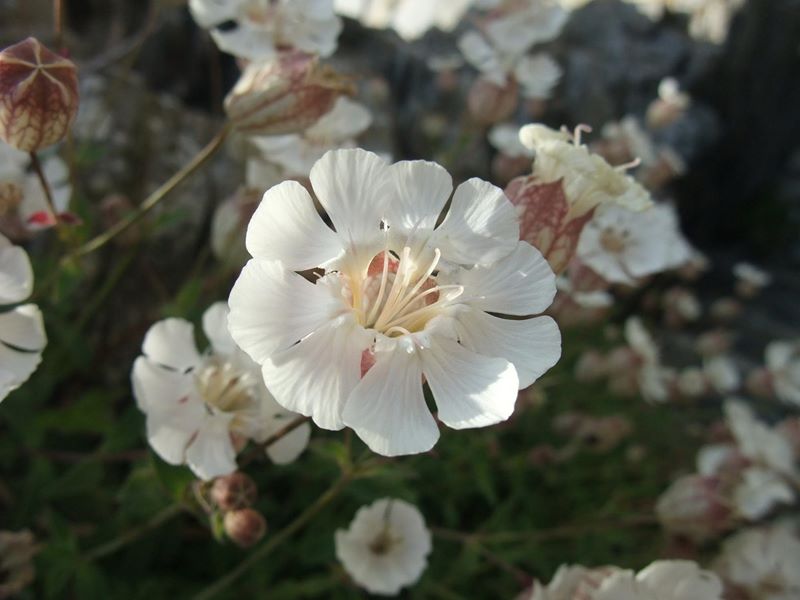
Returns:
(201, 408)
(264, 26)
(394, 300)
(567, 183)
(283, 94)
(409, 18)
(22, 336)
(297, 152)
(38, 95)
(386, 546)
(624, 245)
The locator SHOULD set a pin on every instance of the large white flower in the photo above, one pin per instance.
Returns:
(395, 300)
(623, 245)
(199, 407)
(297, 153)
(263, 26)
(22, 336)
(764, 562)
(386, 547)
(409, 18)
(783, 364)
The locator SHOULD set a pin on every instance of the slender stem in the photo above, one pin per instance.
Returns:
(48, 194)
(276, 540)
(58, 23)
(153, 199)
(134, 534)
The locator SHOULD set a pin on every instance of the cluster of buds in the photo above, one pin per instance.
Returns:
(38, 96)
(233, 496)
(283, 94)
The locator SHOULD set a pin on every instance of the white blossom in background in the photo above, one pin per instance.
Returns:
(297, 153)
(409, 18)
(708, 19)
(22, 335)
(763, 562)
(624, 245)
(386, 547)
(264, 26)
(722, 374)
(783, 364)
(505, 138)
(201, 407)
(661, 580)
(21, 190)
(750, 279)
(653, 378)
(500, 50)
(394, 299)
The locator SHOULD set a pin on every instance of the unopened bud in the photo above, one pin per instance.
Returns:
(38, 95)
(234, 492)
(284, 94)
(245, 527)
(490, 103)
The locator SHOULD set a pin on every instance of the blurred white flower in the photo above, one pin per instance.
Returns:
(624, 245)
(653, 378)
(386, 546)
(669, 106)
(722, 374)
(759, 491)
(200, 407)
(22, 335)
(263, 26)
(783, 364)
(409, 18)
(399, 299)
(695, 506)
(662, 580)
(757, 441)
(505, 138)
(764, 562)
(297, 153)
(750, 279)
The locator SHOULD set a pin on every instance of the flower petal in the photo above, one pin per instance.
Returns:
(387, 408)
(215, 326)
(353, 186)
(290, 446)
(171, 343)
(23, 328)
(521, 284)
(470, 390)
(168, 396)
(209, 13)
(211, 453)
(533, 345)
(286, 227)
(314, 377)
(16, 274)
(272, 308)
(480, 227)
(422, 189)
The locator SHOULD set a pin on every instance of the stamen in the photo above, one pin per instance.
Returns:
(579, 130)
(374, 310)
(459, 289)
(410, 296)
(629, 165)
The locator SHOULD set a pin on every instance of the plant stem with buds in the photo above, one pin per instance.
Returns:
(134, 534)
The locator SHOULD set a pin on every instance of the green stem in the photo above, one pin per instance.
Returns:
(276, 540)
(134, 534)
(153, 199)
(48, 194)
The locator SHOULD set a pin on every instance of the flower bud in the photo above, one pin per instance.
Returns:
(38, 96)
(283, 94)
(695, 507)
(490, 103)
(234, 492)
(245, 527)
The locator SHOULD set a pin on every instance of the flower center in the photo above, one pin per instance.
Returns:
(400, 296)
(224, 387)
(613, 241)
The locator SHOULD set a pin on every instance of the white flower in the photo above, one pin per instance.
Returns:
(764, 561)
(624, 245)
(22, 336)
(386, 546)
(662, 580)
(297, 153)
(783, 364)
(588, 180)
(759, 491)
(758, 442)
(654, 379)
(722, 374)
(262, 26)
(584, 299)
(409, 18)
(195, 403)
(505, 138)
(522, 25)
(399, 299)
